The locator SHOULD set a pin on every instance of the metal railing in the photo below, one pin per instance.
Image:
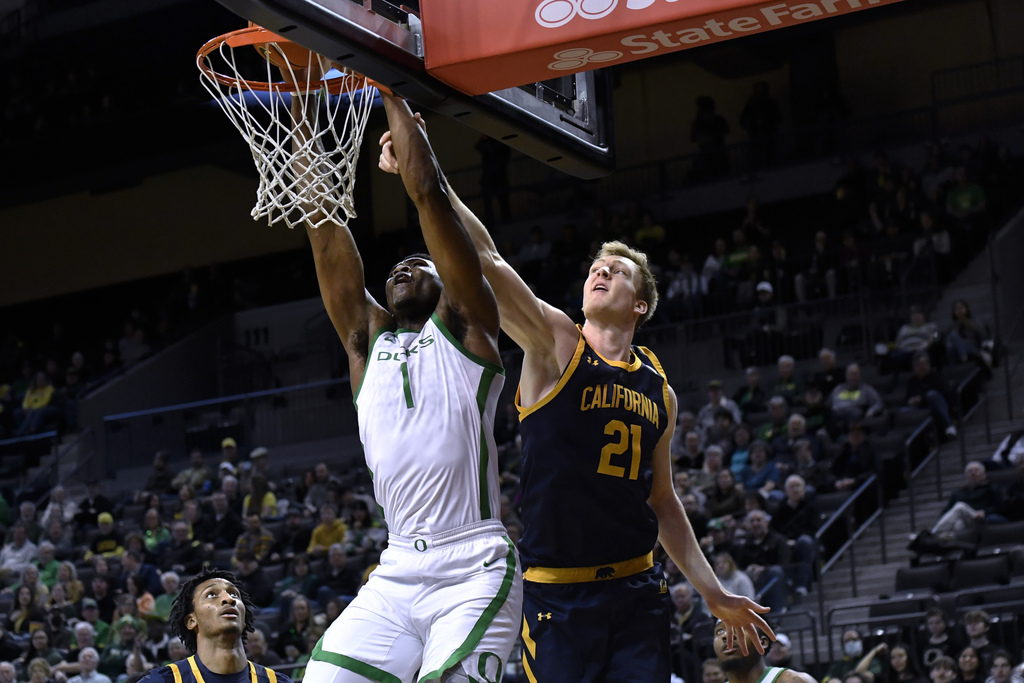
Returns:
(312, 411)
(82, 448)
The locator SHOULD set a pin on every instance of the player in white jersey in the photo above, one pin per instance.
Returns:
(445, 602)
(750, 667)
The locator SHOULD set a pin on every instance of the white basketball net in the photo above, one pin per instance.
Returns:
(311, 181)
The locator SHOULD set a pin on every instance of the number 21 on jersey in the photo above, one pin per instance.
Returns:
(624, 438)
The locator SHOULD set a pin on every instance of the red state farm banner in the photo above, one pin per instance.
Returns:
(479, 46)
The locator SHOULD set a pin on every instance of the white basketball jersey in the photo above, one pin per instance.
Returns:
(426, 420)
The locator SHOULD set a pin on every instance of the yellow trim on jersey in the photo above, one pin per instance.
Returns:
(176, 672)
(661, 371)
(587, 574)
(199, 675)
(271, 675)
(529, 646)
(631, 366)
(569, 369)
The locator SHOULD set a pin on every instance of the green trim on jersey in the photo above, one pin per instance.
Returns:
(366, 368)
(406, 387)
(484, 622)
(770, 675)
(486, 379)
(483, 362)
(362, 668)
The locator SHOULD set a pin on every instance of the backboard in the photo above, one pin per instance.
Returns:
(564, 122)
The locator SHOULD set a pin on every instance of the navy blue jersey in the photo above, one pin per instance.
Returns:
(587, 452)
(192, 670)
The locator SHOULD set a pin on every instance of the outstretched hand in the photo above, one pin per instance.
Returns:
(388, 161)
(742, 619)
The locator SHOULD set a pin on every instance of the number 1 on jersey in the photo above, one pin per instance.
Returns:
(627, 437)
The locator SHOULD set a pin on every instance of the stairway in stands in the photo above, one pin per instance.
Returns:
(872, 577)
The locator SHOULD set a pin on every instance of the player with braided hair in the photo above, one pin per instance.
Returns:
(212, 616)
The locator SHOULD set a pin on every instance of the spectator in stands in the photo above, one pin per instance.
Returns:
(154, 532)
(16, 554)
(59, 507)
(716, 400)
(94, 504)
(778, 422)
(229, 452)
(686, 616)
(798, 518)
(815, 411)
(751, 398)
(340, 578)
(725, 498)
(741, 440)
(257, 651)
(781, 653)
(820, 278)
(229, 487)
(685, 486)
(329, 531)
(37, 408)
(853, 650)
(225, 526)
(27, 517)
(260, 499)
(171, 584)
(695, 513)
(685, 423)
(721, 433)
(762, 341)
(91, 615)
(827, 377)
(259, 460)
(256, 540)
(254, 580)
(30, 578)
(976, 625)
(144, 600)
(180, 553)
(291, 642)
(711, 672)
(26, 616)
(974, 503)
(103, 596)
(926, 388)
(853, 400)
(782, 446)
(293, 538)
(901, 667)
(7, 671)
(815, 473)
(107, 542)
(692, 455)
(84, 637)
(970, 666)
(1002, 669)
(1013, 497)
(67, 577)
(684, 296)
(762, 555)
(760, 474)
(731, 578)
(39, 646)
(61, 537)
(115, 654)
(788, 386)
(197, 475)
(160, 478)
(299, 581)
(319, 493)
(133, 562)
(966, 199)
(966, 338)
(47, 565)
(40, 671)
(856, 461)
(916, 335)
(366, 534)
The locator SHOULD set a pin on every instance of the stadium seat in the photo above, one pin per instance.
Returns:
(828, 503)
(274, 572)
(222, 558)
(1002, 535)
(1017, 563)
(929, 576)
(1004, 478)
(910, 418)
(983, 571)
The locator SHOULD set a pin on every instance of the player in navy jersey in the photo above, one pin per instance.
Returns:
(212, 617)
(597, 416)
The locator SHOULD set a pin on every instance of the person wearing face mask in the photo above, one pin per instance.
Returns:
(853, 649)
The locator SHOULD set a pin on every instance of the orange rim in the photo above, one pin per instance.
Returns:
(255, 35)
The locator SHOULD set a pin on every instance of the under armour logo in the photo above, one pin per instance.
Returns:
(541, 616)
(579, 57)
(591, 361)
(604, 573)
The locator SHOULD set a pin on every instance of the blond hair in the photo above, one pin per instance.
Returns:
(648, 290)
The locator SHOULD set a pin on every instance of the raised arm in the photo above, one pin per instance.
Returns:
(547, 335)
(677, 537)
(448, 241)
(339, 268)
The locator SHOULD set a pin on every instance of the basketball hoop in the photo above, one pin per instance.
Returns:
(306, 162)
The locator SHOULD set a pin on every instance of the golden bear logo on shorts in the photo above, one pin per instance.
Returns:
(604, 573)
